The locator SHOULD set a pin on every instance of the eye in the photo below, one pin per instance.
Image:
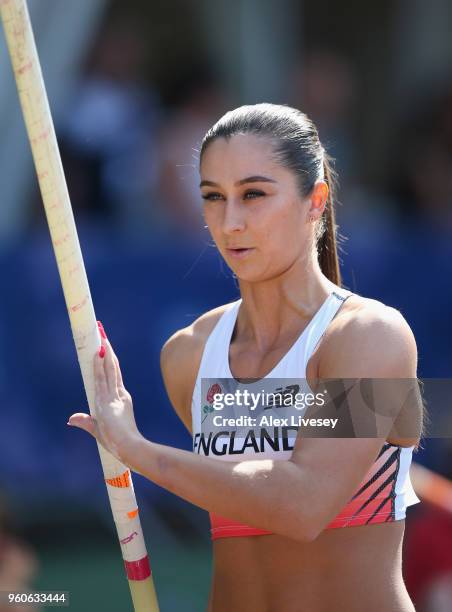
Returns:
(212, 196)
(252, 194)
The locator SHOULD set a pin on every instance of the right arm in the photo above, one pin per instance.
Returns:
(295, 498)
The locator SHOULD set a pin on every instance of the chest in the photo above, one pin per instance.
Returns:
(247, 363)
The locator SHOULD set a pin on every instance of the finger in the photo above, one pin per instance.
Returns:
(121, 389)
(100, 379)
(109, 365)
(83, 421)
(110, 370)
(118, 373)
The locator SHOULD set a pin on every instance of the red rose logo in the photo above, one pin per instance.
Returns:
(214, 389)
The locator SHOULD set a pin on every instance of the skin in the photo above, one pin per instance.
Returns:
(301, 566)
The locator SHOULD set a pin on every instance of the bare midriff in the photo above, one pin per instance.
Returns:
(353, 569)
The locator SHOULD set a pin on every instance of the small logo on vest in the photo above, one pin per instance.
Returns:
(208, 408)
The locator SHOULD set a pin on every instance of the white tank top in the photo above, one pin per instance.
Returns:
(384, 493)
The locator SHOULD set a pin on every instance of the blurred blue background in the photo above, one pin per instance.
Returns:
(133, 87)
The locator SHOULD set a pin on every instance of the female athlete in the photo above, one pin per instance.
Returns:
(316, 526)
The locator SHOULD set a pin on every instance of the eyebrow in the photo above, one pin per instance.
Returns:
(248, 179)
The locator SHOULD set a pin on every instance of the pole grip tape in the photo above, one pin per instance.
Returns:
(138, 570)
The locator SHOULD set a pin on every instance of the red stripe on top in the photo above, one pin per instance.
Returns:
(224, 528)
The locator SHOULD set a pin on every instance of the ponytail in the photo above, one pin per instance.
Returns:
(327, 244)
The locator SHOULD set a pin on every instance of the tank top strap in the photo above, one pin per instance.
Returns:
(212, 362)
(322, 321)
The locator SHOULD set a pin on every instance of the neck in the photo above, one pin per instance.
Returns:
(273, 308)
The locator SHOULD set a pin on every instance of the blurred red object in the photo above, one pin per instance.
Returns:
(428, 559)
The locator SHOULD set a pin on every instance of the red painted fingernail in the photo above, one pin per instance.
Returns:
(102, 330)
(102, 352)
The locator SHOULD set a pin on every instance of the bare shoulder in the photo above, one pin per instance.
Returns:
(180, 359)
(371, 340)
(368, 339)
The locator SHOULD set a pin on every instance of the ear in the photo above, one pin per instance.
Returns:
(319, 197)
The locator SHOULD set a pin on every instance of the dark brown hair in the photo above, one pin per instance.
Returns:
(298, 148)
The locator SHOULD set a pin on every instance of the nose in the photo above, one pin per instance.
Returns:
(234, 217)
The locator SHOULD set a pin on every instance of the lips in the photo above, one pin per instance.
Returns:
(239, 252)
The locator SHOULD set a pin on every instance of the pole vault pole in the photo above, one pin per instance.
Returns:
(52, 183)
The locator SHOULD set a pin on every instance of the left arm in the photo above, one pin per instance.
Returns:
(295, 498)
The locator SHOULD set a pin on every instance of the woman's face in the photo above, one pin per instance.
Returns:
(253, 207)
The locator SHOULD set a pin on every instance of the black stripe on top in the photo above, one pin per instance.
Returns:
(391, 459)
